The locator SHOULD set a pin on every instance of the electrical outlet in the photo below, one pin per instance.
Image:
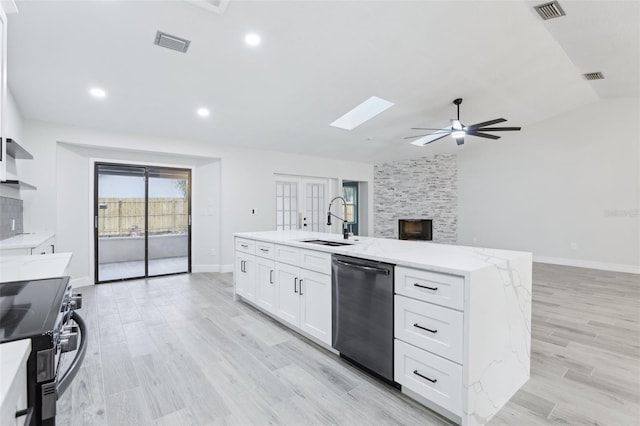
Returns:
(13, 224)
(573, 246)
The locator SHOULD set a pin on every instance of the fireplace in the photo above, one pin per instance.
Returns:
(415, 229)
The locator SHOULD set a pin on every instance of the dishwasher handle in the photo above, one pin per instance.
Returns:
(366, 268)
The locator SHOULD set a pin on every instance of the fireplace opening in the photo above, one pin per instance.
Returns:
(415, 229)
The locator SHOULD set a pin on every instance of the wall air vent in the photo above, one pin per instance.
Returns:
(549, 10)
(594, 76)
(172, 42)
(216, 6)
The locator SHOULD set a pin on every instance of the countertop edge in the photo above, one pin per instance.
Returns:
(12, 356)
(29, 240)
(344, 250)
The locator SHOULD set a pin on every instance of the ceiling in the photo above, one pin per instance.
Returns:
(317, 60)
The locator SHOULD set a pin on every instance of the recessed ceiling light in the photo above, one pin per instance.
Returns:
(203, 112)
(97, 92)
(252, 39)
(363, 112)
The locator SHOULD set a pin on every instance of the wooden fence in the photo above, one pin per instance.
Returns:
(119, 217)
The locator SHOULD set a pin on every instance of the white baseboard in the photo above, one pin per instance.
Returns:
(615, 267)
(212, 268)
(81, 282)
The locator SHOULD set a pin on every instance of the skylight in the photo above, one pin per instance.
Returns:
(363, 112)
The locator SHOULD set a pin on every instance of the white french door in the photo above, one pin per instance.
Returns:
(301, 203)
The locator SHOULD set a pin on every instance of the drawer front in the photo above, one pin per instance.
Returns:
(288, 254)
(441, 289)
(431, 327)
(245, 246)
(432, 377)
(266, 250)
(316, 261)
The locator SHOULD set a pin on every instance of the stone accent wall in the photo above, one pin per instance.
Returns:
(10, 208)
(423, 188)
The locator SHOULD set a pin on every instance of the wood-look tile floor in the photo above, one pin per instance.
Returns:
(178, 350)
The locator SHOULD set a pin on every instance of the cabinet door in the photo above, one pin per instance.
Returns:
(245, 276)
(315, 309)
(266, 284)
(287, 294)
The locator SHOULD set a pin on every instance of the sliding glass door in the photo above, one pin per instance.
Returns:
(142, 220)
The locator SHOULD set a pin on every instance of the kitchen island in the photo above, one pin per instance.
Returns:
(479, 298)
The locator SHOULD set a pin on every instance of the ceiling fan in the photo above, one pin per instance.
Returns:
(458, 131)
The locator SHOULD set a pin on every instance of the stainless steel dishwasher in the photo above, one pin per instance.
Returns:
(362, 296)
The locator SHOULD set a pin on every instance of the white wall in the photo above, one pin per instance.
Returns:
(570, 179)
(12, 129)
(61, 171)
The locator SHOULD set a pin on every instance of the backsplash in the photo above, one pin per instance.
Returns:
(423, 188)
(10, 209)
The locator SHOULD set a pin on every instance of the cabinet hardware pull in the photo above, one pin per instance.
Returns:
(244, 246)
(300, 287)
(271, 276)
(295, 285)
(427, 287)
(424, 377)
(264, 249)
(53, 248)
(242, 266)
(425, 328)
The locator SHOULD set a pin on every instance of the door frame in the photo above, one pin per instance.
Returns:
(94, 164)
(302, 193)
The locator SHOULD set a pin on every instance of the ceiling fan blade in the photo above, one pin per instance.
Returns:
(419, 143)
(460, 141)
(413, 137)
(446, 129)
(483, 135)
(486, 123)
(498, 129)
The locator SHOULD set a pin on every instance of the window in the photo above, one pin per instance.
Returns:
(350, 194)
(286, 205)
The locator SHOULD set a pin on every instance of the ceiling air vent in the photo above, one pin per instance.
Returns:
(549, 10)
(172, 42)
(594, 76)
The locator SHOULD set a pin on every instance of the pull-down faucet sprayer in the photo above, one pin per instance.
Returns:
(345, 226)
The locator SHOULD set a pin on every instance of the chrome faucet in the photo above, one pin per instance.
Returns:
(345, 227)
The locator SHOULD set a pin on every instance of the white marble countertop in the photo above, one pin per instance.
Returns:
(25, 267)
(25, 240)
(447, 258)
(12, 356)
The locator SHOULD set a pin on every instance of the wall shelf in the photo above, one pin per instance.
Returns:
(15, 150)
(17, 184)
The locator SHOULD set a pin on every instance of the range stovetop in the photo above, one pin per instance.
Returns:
(29, 309)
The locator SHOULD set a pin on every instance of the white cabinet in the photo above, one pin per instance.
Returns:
(315, 304)
(287, 296)
(291, 283)
(303, 299)
(13, 381)
(245, 275)
(429, 335)
(266, 284)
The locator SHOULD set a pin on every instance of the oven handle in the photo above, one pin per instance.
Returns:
(73, 369)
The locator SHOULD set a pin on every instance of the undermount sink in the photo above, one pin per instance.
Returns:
(327, 243)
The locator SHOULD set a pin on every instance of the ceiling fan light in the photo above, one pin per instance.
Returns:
(458, 134)
(456, 125)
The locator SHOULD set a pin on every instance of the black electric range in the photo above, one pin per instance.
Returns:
(44, 312)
